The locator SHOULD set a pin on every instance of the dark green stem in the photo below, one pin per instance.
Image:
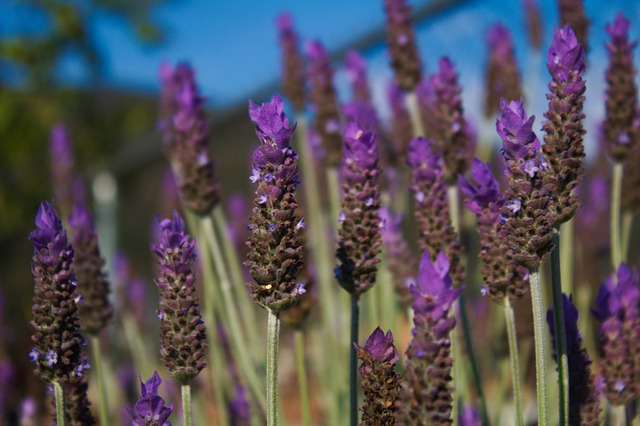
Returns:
(560, 332)
(186, 404)
(515, 360)
(616, 189)
(540, 341)
(58, 394)
(273, 341)
(353, 360)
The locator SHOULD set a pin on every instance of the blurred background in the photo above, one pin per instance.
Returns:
(93, 65)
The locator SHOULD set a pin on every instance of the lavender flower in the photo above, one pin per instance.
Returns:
(401, 130)
(502, 275)
(534, 23)
(617, 308)
(405, 59)
(432, 206)
(572, 13)
(469, 416)
(631, 177)
(150, 409)
(380, 384)
(563, 149)
(426, 394)
(359, 236)
(183, 347)
(77, 404)
(622, 92)
(239, 409)
(296, 317)
(189, 156)
(95, 311)
(529, 227)
(274, 258)
(325, 102)
(62, 167)
(293, 66)
(503, 77)
(55, 313)
(356, 68)
(172, 80)
(446, 123)
(584, 408)
(400, 260)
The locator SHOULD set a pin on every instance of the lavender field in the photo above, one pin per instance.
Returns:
(348, 250)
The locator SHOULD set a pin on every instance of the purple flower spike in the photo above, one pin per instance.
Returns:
(62, 167)
(239, 408)
(584, 406)
(534, 23)
(359, 235)
(486, 194)
(401, 131)
(469, 416)
(426, 392)
(432, 204)
(572, 13)
(150, 410)
(622, 93)
(356, 68)
(529, 216)
(401, 262)
(617, 308)
(183, 347)
(380, 384)
(564, 131)
(273, 220)
(503, 77)
(325, 102)
(293, 63)
(95, 311)
(405, 59)
(57, 341)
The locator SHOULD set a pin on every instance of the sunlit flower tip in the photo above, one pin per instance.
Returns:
(565, 55)
(272, 125)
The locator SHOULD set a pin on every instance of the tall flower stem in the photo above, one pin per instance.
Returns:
(231, 316)
(58, 394)
(333, 181)
(566, 256)
(102, 392)
(560, 332)
(353, 360)
(273, 338)
(616, 189)
(515, 360)
(627, 227)
(186, 404)
(414, 112)
(303, 388)
(540, 341)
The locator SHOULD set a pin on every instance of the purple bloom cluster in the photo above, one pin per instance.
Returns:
(150, 410)
(503, 77)
(189, 135)
(401, 130)
(293, 63)
(359, 235)
(380, 384)
(325, 102)
(429, 189)
(617, 308)
(275, 243)
(529, 208)
(622, 92)
(563, 149)
(95, 311)
(584, 406)
(58, 351)
(183, 347)
(426, 393)
(356, 68)
(400, 260)
(403, 51)
(172, 79)
(502, 275)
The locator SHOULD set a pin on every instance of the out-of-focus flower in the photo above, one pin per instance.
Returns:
(292, 62)
(62, 168)
(401, 131)
(239, 409)
(400, 260)
(534, 23)
(503, 77)
(572, 13)
(403, 51)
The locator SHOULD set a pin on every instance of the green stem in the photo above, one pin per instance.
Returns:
(353, 360)
(58, 395)
(273, 337)
(566, 256)
(238, 342)
(302, 378)
(414, 113)
(560, 332)
(540, 341)
(333, 182)
(186, 404)
(627, 227)
(515, 360)
(103, 412)
(616, 189)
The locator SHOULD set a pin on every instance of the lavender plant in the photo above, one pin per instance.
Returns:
(293, 77)
(150, 409)
(62, 168)
(503, 77)
(572, 13)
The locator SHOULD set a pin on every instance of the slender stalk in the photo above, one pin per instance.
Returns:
(238, 342)
(616, 189)
(333, 182)
(414, 113)
(540, 340)
(515, 360)
(560, 332)
(627, 227)
(303, 388)
(186, 404)
(103, 411)
(566, 257)
(58, 395)
(273, 337)
(353, 361)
